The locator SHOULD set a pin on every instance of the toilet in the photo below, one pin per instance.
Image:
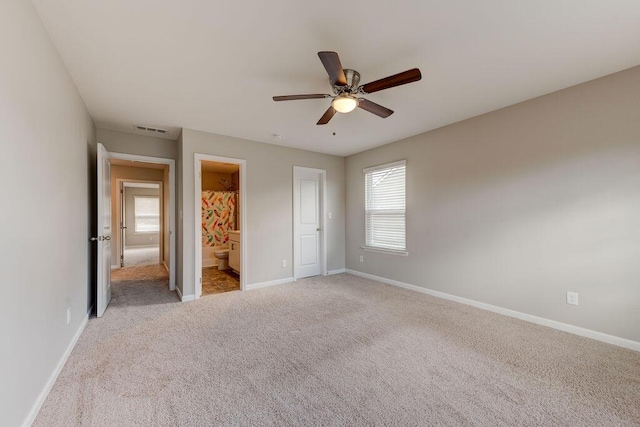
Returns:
(222, 254)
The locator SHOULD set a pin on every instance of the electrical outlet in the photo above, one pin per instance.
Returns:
(572, 298)
(361, 258)
(284, 263)
(68, 315)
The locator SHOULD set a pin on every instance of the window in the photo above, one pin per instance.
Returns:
(385, 225)
(147, 214)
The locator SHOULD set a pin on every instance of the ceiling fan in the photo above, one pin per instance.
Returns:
(346, 88)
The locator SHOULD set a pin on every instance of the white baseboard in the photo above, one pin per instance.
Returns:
(576, 330)
(115, 267)
(254, 286)
(185, 298)
(338, 271)
(165, 266)
(33, 413)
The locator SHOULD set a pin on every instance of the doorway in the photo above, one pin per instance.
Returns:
(108, 214)
(140, 221)
(309, 231)
(220, 235)
(140, 215)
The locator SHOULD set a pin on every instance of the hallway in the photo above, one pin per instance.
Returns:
(145, 285)
(139, 256)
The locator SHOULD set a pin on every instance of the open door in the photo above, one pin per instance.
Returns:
(103, 239)
(123, 227)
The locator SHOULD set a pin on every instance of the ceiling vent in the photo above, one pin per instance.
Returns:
(150, 129)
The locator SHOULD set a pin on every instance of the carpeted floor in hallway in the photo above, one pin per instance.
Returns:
(138, 256)
(146, 285)
(336, 350)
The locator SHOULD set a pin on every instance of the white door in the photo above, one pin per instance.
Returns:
(103, 239)
(307, 222)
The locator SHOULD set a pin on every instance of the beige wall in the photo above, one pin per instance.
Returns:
(269, 207)
(119, 172)
(48, 151)
(211, 180)
(130, 143)
(516, 207)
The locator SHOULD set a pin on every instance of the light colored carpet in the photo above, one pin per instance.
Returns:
(134, 257)
(337, 350)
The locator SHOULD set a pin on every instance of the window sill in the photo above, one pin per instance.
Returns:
(385, 251)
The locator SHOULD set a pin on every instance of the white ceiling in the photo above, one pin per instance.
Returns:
(214, 66)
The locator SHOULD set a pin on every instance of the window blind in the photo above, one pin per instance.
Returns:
(147, 214)
(385, 224)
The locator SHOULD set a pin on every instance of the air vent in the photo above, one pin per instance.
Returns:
(149, 129)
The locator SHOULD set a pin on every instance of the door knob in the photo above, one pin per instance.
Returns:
(93, 239)
(106, 238)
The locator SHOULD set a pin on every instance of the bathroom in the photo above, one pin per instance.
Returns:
(220, 227)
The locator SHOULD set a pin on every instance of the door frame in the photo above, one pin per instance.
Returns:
(322, 215)
(197, 177)
(120, 210)
(172, 205)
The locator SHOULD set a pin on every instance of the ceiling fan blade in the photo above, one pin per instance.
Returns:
(374, 108)
(331, 63)
(294, 97)
(326, 116)
(403, 78)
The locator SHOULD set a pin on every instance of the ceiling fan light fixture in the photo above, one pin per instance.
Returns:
(344, 103)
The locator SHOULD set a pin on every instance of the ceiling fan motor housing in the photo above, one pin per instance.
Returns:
(353, 80)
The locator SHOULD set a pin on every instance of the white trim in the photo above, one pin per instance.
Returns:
(185, 298)
(172, 205)
(323, 215)
(576, 330)
(384, 251)
(165, 266)
(338, 271)
(33, 413)
(254, 286)
(385, 166)
(141, 184)
(143, 246)
(197, 169)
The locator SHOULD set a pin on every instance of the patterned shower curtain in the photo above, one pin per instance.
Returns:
(218, 216)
